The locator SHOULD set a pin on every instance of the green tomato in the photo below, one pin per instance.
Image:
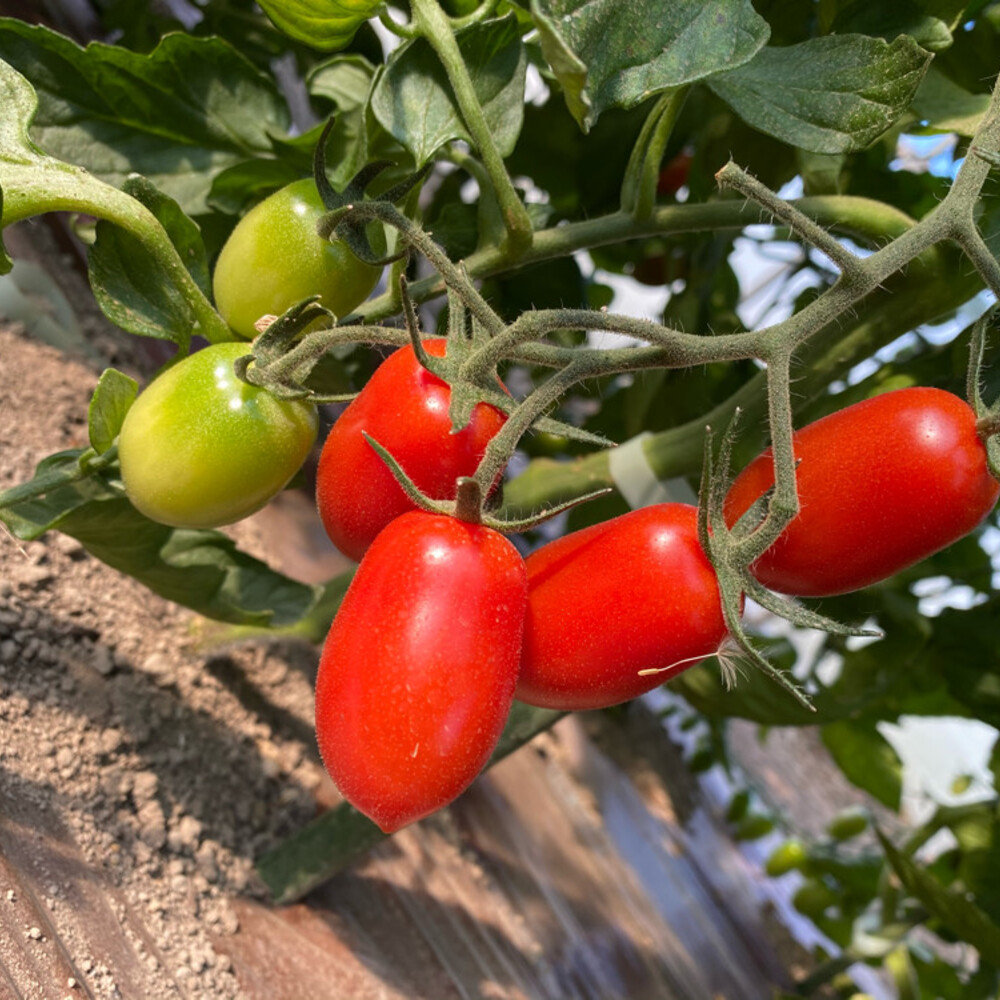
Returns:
(274, 258)
(849, 823)
(789, 856)
(200, 447)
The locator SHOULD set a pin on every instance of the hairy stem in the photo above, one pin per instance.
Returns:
(434, 25)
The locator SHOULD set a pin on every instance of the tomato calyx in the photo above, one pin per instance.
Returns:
(472, 504)
(727, 549)
(335, 225)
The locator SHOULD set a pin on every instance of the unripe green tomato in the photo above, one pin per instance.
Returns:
(848, 823)
(275, 258)
(789, 856)
(753, 826)
(813, 898)
(200, 448)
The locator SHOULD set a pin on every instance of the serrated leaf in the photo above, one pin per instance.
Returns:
(954, 910)
(947, 107)
(128, 282)
(413, 100)
(617, 53)
(113, 395)
(930, 25)
(866, 758)
(201, 570)
(178, 116)
(834, 94)
(327, 25)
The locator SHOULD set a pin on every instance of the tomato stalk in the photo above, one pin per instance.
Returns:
(434, 25)
(87, 463)
(638, 196)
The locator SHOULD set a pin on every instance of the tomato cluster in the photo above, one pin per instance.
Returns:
(444, 623)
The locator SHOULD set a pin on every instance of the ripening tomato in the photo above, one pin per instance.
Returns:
(674, 174)
(200, 448)
(417, 674)
(882, 484)
(275, 258)
(633, 593)
(405, 409)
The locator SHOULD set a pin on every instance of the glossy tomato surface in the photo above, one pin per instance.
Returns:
(417, 673)
(633, 593)
(274, 258)
(882, 484)
(199, 448)
(405, 409)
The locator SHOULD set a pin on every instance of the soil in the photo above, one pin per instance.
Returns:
(170, 766)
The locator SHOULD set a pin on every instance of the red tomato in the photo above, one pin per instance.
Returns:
(882, 484)
(417, 674)
(675, 173)
(405, 409)
(634, 593)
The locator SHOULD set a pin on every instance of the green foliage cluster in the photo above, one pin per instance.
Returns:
(169, 135)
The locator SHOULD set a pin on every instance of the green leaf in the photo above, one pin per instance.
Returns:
(954, 910)
(346, 81)
(834, 94)
(128, 282)
(927, 23)
(327, 25)
(236, 187)
(866, 759)
(114, 394)
(947, 107)
(413, 100)
(201, 570)
(618, 53)
(178, 116)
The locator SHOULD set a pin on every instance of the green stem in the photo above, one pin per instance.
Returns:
(922, 295)
(29, 190)
(88, 463)
(871, 221)
(638, 195)
(435, 26)
(482, 12)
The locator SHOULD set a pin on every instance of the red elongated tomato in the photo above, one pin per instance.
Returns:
(882, 484)
(417, 673)
(633, 593)
(405, 409)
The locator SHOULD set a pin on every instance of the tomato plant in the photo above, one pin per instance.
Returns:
(405, 409)
(882, 484)
(630, 594)
(200, 448)
(535, 223)
(275, 258)
(417, 674)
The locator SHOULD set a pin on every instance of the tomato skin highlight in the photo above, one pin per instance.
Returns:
(633, 593)
(417, 674)
(882, 484)
(275, 258)
(405, 409)
(199, 448)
